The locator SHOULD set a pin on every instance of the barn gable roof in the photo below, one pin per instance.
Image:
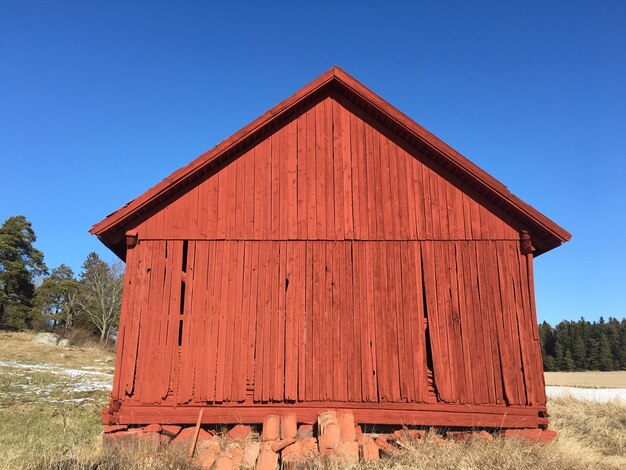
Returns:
(546, 234)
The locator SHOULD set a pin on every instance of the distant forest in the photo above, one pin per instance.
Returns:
(581, 345)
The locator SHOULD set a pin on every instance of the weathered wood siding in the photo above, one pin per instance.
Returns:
(300, 321)
(327, 175)
(330, 264)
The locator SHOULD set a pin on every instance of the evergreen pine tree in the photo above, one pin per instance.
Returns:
(20, 262)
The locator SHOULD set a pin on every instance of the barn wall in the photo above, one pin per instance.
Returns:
(327, 264)
(327, 175)
(328, 321)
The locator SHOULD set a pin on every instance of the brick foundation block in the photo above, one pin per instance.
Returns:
(288, 426)
(271, 428)
(267, 460)
(239, 433)
(170, 430)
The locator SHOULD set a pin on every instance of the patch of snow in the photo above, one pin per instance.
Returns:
(591, 394)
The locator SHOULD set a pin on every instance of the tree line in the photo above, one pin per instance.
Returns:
(32, 297)
(582, 345)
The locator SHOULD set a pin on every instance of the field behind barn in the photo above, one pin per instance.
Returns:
(51, 397)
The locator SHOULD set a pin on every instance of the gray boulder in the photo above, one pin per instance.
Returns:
(64, 342)
(50, 339)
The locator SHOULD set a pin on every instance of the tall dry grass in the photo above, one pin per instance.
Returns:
(592, 436)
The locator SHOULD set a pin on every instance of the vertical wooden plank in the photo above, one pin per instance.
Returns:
(337, 315)
(384, 363)
(329, 166)
(280, 341)
(320, 173)
(494, 312)
(271, 334)
(521, 324)
(299, 292)
(407, 161)
(259, 193)
(156, 306)
(240, 355)
(229, 254)
(222, 204)
(471, 362)
(265, 153)
(487, 327)
(311, 175)
(145, 322)
(127, 322)
(485, 231)
(509, 313)
(360, 321)
(457, 305)
(292, 180)
(534, 346)
(158, 393)
(475, 220)
(239, 168)
(171, 346)
(317, 314)
(390, 225)
(231, 175)
(186, 351)
(249, 196)
(275, 171)
(310, 335)
(467, 217)
(283, 182)
(338, 170)
(237, 389)
(372, 177)
(203, 211)
(399, 338)
(437, 210)
(356, 176)
(378, 169)
(346, 151)
(329, 340)
(410, 369)
(414, 288)
(132, 333)
(418, 188)
(215, 277)
(427, 203)
(252, 313)
(349, 329)
(291, 352)
(302, 175)
(233, 301)
(200, 319)
(436, 328)
(507, 354)
(379, 385)
(211, 188)
(262, 296)
(361, 162)
(444, 211)
(397, 221)
(405, 231)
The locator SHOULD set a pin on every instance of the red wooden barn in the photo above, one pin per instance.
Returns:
(331, 254)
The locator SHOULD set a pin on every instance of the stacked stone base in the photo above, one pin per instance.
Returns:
(336, 438)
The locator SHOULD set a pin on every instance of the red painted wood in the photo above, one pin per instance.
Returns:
(319, 255)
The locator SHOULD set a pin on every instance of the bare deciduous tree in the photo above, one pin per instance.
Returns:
(101, 296)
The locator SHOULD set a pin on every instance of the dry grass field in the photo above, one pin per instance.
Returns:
(592, 379)
(50, 419)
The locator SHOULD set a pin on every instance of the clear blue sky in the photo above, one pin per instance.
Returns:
(101, 100)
